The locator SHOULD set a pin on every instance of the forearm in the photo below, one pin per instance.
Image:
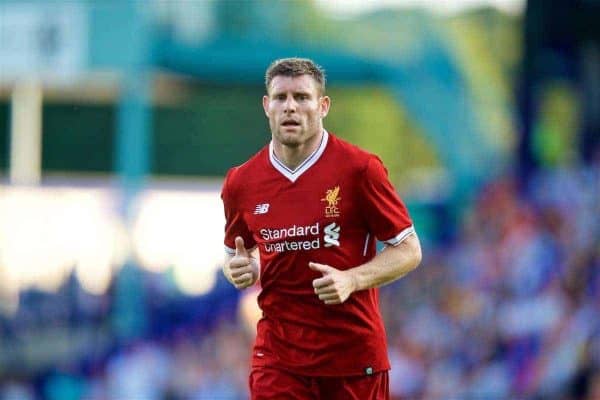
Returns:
(389, 265)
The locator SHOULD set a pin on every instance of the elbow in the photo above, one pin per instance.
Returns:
(416, 255)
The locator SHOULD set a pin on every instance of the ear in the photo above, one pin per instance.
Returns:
(325, 104)
(265, 102)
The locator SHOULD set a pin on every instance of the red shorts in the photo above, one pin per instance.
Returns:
(272, 383)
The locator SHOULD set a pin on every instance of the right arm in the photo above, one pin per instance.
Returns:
(240, 267)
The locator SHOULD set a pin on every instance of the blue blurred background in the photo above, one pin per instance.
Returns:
(119, 119)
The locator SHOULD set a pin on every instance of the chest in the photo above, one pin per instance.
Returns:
(286, 210)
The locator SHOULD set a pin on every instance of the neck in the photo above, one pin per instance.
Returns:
(293, 156)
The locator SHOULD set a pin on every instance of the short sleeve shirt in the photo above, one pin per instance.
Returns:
(330, 210)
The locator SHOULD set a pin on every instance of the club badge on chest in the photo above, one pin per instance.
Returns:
(332, 198)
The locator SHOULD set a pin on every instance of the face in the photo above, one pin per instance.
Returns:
(295, 109)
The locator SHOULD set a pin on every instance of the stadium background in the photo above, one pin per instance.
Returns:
(118, 121)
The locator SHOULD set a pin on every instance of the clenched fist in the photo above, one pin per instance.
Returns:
(335, 286)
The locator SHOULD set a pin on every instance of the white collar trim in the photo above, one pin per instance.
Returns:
(292, 175)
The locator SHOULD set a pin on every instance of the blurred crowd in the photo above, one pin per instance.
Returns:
(511, 308)
(508, 308)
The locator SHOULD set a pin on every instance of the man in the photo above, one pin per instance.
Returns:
(304, 214)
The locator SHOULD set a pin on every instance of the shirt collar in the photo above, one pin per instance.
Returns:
(294, 174)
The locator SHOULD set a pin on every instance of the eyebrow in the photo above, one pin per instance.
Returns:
(299, 92)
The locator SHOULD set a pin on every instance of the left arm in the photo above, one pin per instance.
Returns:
(392, 263)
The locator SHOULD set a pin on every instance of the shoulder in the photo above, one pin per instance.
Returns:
(239, 176)
(351, 155)
(254, 165)
(361, 164)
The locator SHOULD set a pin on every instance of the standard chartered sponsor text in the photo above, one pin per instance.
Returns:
(287, 246)
(291, 232)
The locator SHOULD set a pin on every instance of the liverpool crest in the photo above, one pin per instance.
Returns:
(332, 197)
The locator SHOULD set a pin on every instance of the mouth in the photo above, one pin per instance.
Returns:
(290, 123)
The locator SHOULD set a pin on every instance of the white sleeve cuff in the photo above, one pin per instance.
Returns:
(399, 238)
(231, 252)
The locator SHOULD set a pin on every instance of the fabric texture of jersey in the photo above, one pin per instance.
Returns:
(330, 210)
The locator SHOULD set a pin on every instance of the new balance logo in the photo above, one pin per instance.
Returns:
(261, 209)
(332, 235)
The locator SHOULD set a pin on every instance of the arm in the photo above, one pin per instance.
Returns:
(242, 270)
(392, 263)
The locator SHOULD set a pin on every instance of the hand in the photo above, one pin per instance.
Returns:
(242, 269)
(335, 286)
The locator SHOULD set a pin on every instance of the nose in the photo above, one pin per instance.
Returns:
(290, 104)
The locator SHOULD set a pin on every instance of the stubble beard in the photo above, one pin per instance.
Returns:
(294, 140)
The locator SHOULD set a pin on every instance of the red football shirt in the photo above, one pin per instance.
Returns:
(329, 210)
